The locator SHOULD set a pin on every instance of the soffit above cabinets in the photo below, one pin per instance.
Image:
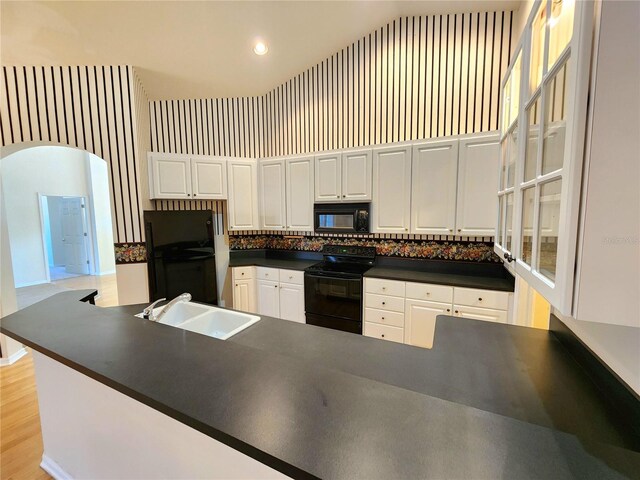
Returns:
(201, 49)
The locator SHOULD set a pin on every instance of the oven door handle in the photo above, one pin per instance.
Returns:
(331, 275)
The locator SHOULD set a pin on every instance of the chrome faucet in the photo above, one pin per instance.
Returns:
(148, 312)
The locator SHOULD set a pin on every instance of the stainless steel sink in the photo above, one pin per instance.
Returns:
(206, 320)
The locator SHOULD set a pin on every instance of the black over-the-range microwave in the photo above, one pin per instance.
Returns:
(341, 217)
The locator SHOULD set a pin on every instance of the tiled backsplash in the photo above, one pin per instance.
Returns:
(428, 249)
(132, 252)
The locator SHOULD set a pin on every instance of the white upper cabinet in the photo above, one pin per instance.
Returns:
(243, 195)
(356, 175)
(209, 177)
(328, 184)
(299, 182)
(478, 162)
(273, 212)
(434, 185)
(391, 206)
(181, 176)
(170, 176)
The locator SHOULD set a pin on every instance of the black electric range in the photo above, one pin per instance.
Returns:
(333, 287)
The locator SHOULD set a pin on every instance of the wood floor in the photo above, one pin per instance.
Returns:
(20, 436)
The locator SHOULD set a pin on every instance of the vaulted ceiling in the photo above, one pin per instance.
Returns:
(200, 49)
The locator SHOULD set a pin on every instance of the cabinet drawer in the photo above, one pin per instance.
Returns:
(243, 273)
(486, 314)
(473, 297)
(264, 273)
(384, 317)
(382, 302)
(384, 287)
(384, 332)
(292, 276)
(433, 293)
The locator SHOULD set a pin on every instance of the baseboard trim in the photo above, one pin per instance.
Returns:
(624, 400)
(53, 469)
(5, 362)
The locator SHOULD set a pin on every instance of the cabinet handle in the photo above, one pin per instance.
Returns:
(188, 194)
(384, 303)
(508, 257)
(194, 194)
(456, 311)
(448, 309)
(290, 278)
(242, 273)
(480, 299)
(451, 229)
(428, 293)
(384, 288)
(383, 335)
(236, 284)
(459, 230)
(382, 318)
(275, 286)
(344, 196)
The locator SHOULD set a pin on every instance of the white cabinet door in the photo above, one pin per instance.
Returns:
(420, 321)
(243, 195)
(268, 298)
(170, 176)
(328, 178)
(356, 175)
(244, 296)
(292, 302)
(209, 177)
(273, 211)
(433, 191)
(300, 193)
(391, 205)
(486, 314)
(478, 162)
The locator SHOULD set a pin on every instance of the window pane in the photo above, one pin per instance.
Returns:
(506, 104)
(526, 242)
(515, 89)
(537, 47)
(513, 156)
(560, 27)
(555, 124)
(504, 158)
(509, 222)
(531, 154)
(548, 228)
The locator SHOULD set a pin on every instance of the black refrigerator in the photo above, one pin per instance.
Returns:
(181, 255)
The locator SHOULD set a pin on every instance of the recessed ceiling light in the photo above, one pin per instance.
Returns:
(260, 48)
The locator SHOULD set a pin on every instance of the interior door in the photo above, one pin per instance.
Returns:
(74, 235)
(433, 187)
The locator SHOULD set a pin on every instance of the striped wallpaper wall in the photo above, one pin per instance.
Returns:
(89, 107)
(416, 77)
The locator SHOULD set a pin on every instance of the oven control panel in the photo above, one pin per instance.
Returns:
(349, 251)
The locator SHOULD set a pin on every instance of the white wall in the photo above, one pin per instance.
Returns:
(53, 171)
(100, 208)
(56, 171)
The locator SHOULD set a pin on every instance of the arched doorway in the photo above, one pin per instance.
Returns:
(57, 222)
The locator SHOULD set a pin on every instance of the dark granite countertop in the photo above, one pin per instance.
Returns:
(470, 281)
(311, 402)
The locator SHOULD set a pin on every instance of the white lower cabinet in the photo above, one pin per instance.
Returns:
(406, 312)
(420, 321)
(292, 302)
(244, 290)
(269, 298)
(272, 292)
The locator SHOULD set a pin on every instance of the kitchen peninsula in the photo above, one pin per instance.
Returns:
(280, 398)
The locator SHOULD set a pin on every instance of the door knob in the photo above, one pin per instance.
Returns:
(508, 257)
